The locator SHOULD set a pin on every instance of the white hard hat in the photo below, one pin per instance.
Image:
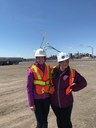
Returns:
(62, 57)
(40, 52)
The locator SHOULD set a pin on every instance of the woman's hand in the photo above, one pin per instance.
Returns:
(33, 108)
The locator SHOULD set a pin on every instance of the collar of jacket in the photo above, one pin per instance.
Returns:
(57, 72)
(63, 72)
(41, 66)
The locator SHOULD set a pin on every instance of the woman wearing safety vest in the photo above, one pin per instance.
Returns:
(65, 80)
(39, 88)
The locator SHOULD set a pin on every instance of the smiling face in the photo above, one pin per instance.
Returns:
(41, 60)
(64, 64)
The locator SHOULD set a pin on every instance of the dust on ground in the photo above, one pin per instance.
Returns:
(14, 110)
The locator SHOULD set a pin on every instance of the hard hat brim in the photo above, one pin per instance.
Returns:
(40, 56)
(67, 58)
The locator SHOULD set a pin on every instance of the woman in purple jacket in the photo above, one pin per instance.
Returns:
(37, 86)
(65, 80)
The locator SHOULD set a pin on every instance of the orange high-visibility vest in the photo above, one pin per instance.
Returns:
(42, 80)
(71, 80)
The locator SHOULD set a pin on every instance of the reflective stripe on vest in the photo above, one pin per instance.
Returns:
(71, 80)
(41, 81)
(38, 74)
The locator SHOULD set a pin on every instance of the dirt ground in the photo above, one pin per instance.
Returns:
(14, 110)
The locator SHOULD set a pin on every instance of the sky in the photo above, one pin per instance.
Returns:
(67, 25)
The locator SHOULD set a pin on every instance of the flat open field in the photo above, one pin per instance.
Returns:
(14, 110)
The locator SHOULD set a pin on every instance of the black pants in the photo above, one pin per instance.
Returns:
(41, 112)
(63, 116)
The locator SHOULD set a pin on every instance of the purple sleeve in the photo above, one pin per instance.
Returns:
(30, 88)
(80, 82)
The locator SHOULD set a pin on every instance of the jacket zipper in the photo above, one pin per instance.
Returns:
(59, 93)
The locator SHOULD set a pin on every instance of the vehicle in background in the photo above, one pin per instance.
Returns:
(10, 60)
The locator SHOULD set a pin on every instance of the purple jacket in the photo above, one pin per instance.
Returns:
(31, 92)
(61, 82)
